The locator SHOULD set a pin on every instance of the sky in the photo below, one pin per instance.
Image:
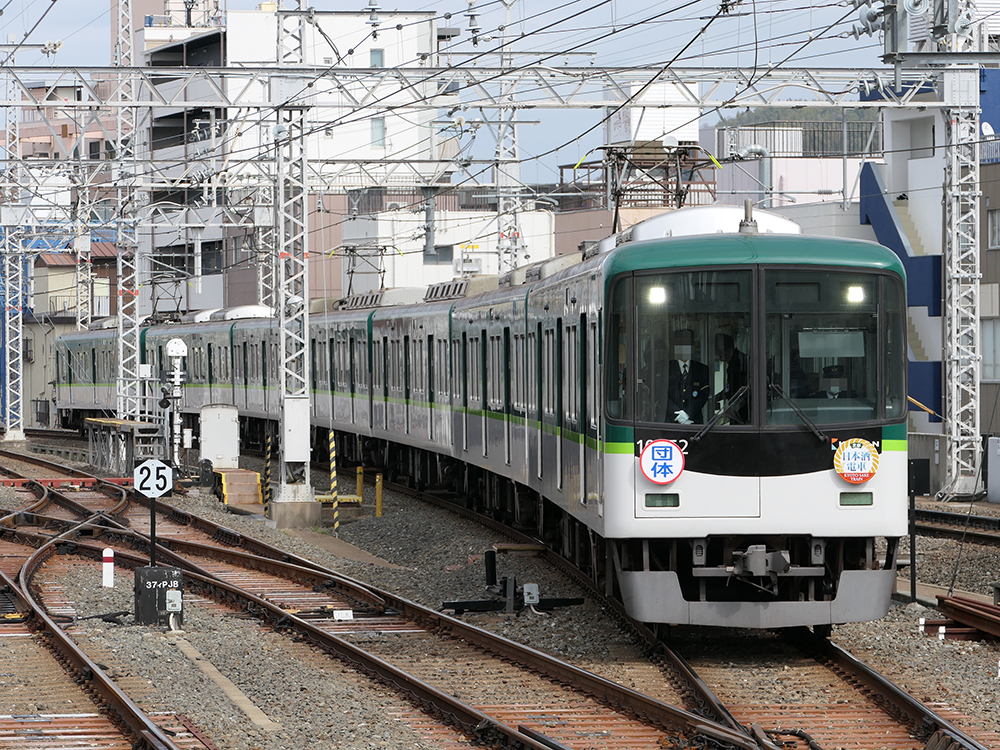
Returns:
(754, 34)
(645, 32)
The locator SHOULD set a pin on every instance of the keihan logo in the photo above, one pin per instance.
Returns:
(856, 460)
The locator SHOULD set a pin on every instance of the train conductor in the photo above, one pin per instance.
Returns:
(688, 381)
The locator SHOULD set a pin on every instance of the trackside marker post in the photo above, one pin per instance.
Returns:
(108, 569)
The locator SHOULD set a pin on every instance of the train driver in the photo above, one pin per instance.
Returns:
(833, 383)
(688, 381)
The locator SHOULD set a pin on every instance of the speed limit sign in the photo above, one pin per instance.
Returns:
(153, 478)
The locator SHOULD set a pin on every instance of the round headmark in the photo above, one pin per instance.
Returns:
(856, 460)
(661, 461)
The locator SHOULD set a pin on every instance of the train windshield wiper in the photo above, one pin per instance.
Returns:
(802, 415)
(737, 397)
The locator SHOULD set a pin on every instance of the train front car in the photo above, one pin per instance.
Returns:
(755, 391)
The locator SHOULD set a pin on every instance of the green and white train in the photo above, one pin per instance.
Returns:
(764, 488)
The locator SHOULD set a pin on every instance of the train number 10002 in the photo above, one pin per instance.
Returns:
(640, 445)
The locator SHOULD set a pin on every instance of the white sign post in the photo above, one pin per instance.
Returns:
(152, 479)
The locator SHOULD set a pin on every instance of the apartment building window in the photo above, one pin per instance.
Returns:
(991, 349)
(378, 58)
(993, 218)
(378, 132)
(94, 149)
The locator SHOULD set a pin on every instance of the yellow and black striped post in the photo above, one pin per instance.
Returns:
(333, 483)
(267, 471)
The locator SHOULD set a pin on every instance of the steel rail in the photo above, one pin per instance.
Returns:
(47, 494)
(975, 614)
(38, 461)
(281, 563)
(475, 722)
(88, 671)
(923, 719)
(433, 620)
(708, 702)
(942, 523)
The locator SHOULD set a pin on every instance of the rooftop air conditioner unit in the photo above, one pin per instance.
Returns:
(468, 265)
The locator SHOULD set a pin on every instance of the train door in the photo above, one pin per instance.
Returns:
(406, 383)
(331, 356)
(430, 387)
(350, 376)
(245, 364)
(558, 386)
(540, 395)
(262, 351)
(593, 421)
(505, 385)
(580, 399)
(481, 389)
(211, 373)
(313, 385)
(465, 392)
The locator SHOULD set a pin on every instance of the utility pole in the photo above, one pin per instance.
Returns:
(81, 247)
(127, 246)
(510, 241)
(961, 253)
(957, 50)
(13, 265)
(295, 504)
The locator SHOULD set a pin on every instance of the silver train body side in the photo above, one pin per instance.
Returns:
(534, 401)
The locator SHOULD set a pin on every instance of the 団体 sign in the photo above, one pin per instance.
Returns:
(153, 478)
(661, 461)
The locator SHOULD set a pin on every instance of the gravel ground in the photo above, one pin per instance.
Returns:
(440, 559)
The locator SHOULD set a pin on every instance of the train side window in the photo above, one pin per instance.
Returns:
(312, 365)
(618, 352)
(571, 373)
(474, 374)
(361, 362)
(493, 373)
(384, 366)
(395, 365)
(531, 370)
(456, 371)
(895, 348)
(353, 366)
(519, 373)
(549, 368)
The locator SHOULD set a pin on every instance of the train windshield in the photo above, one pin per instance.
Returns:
(684, 348)
(822, 349)
(693, 348)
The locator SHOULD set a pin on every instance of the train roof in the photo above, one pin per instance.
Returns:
(743, 249)
(699, 220)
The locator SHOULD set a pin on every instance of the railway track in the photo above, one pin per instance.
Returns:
(866, 710)
(525, 699)
(973, 528)
(530, 700)
(54, 696)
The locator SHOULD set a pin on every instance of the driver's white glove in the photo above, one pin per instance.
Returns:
(682, 417)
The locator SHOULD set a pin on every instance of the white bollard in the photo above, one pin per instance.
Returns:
(109, 568)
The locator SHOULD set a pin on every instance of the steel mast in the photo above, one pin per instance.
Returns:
(127, 246)
(292, 293)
